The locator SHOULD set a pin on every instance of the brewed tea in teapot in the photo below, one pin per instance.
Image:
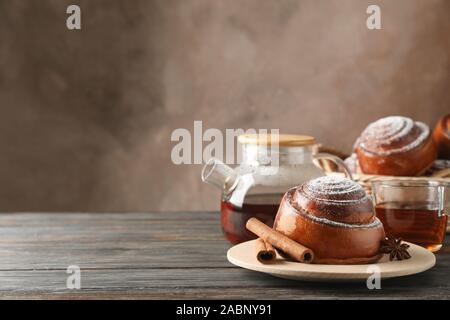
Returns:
(255, 188)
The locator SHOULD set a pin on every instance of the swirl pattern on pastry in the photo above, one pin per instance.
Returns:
(395, 146)
(335, 218)
(336, 201)
(393, 135)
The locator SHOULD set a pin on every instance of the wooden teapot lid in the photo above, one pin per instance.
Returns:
(284, 140)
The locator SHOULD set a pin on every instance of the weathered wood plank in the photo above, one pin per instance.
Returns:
(49, 241)
(46, 218)
(159, 255)
(88, 228)
(120, 254)
(201, 283)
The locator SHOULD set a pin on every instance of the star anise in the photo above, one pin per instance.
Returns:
(395, 248)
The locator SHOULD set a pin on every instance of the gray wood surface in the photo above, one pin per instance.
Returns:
(160, 256)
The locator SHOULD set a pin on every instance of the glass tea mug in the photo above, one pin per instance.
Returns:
(413, 210)
(255, 188)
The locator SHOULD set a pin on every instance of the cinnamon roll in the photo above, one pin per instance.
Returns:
(441, 136)
(396, 146)
(334, 217)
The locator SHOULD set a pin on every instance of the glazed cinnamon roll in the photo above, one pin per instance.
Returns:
(335, 218)
(396, 146)
(441, 136)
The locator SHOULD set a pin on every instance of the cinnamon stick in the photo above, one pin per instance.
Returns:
(293, 249)
(264, 251)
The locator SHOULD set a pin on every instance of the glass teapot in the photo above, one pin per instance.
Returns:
(256, 187)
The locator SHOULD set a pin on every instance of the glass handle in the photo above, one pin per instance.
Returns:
(338, 161)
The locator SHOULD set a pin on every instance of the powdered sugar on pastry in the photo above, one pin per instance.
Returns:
(335, 190)
(392, 135)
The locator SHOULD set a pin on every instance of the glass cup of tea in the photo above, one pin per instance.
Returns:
(415, 211)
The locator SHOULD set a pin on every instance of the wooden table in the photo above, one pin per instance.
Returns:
(162, 256)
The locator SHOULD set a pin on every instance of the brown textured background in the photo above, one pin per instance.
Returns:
(86, 116)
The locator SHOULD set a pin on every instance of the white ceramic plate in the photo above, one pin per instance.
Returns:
(243, 255)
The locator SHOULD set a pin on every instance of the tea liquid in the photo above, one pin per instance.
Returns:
(233, 218)
(418, 223)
